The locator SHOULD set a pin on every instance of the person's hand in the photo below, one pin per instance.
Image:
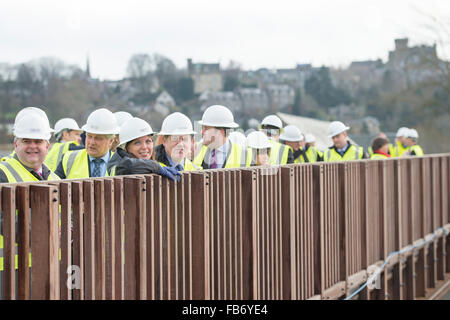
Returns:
(170, 173)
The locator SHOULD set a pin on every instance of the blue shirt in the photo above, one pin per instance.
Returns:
(342, 151)
(103, 165)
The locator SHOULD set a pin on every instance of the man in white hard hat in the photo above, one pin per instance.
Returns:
(101, 128)
(68, 138)
(411, 141)
(177, 137)
(293, 138)
(216, 150)
(31, 143)
(23, 112)
(400, 146)
(310, 143)
(280, 154)
(342, 149)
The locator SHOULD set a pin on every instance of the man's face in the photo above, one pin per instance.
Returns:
(31, 152)
(72, 135)
(97, 145)
(213, 137)
(293, 144)
(409, 142)
(178, 147)
(340, 140)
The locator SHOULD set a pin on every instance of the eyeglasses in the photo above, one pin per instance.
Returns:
(177, 139)
(271, 132)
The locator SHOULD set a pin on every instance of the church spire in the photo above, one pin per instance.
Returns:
(88, 69)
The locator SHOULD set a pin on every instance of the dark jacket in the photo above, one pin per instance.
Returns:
(126, 164)
(161, 155)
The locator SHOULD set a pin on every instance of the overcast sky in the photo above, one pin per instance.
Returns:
(273, 34)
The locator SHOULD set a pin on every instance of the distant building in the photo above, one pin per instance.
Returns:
(254, 100)
(280, 95)
(411, 65)
(404, 56)
(166, 99)
(206, 76)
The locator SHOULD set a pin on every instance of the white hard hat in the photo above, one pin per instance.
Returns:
(402, 132)
(101, 121)
(309, 137)
(66, 123)
(32, 126)
(134, 128)
(291, 133)
(412, 133)
(218, 116)
(272, 120)
(258, 140)
(335, 128)
(238, 137)
(122, 117)
(27, 110)
(176, 124)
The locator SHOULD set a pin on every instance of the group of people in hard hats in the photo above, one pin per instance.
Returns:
(112, 144)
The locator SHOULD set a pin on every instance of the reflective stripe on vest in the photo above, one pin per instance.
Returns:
(76, 164)
(237, 157)
(56, 154)
(278, 153)
(376, 156)
(16, 172)
(352, 153)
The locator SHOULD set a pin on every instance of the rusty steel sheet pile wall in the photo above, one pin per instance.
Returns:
(307, 231)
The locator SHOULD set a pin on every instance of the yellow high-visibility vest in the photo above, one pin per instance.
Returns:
(16, 172)
(417, 150)
(76, 164)
(352, 153)
(377, 156)
(188, 165)
(278, 153)
(399, 150)
(391, 150)
(56, 153)
(236, 158)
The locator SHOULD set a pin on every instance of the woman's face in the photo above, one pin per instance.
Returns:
(141, 148)
(262, 158)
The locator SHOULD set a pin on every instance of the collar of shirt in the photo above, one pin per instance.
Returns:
(105, 158)
(342, 151)
(221, 153)
(103, 165)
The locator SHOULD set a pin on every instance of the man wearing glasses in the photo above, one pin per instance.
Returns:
(280, 153)
(176, 139)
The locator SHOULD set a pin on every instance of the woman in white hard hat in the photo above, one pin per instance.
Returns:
(176, 139)
(259, 148)
(68, 138)
(133, 155)
(121, 117)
